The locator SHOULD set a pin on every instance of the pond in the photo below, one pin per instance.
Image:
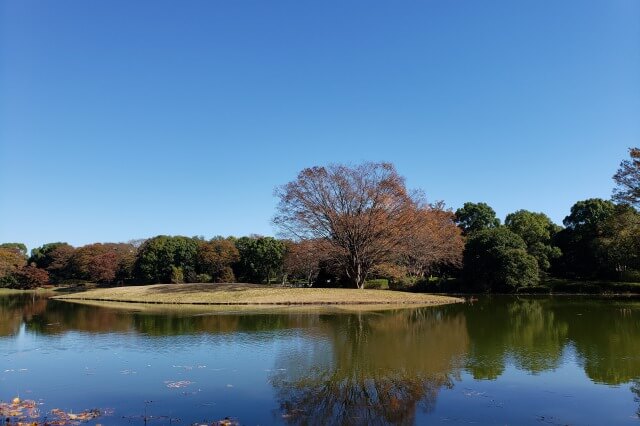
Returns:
(499, 360)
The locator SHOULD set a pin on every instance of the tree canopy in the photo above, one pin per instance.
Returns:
(537, 231)
(18, 246)
(627, 180)
(435, 241)
(260, 258)
(216, 257)
(164, 259)
(473, 217)
(364, 211)
(584, 226)
(496, 259)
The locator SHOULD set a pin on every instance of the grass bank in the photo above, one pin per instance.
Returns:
(8, 291)
(253, 294)
(556, 285)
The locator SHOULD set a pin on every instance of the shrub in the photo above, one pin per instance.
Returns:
(203, 278)
(377, 284)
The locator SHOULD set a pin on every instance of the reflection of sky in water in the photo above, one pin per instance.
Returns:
(228, 373)
(506, 361)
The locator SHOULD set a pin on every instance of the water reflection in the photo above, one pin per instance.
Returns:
(375, 369)
(531, 333)
(526, 331)
(18, 309)
(607, 338)
(384, 367)
(635, 388)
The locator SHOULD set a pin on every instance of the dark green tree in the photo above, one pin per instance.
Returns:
(578, 241)
(537, 231)
(473, 217)
(164, 259)
(587, 216)
(496, 260)
(261, 258)
(627, 179)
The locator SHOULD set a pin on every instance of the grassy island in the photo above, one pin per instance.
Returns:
(253, 294)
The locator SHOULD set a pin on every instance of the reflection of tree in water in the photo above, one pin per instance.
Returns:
(372, 368)
(60, 317)
(44, 316)
(16, 309)
(392, 363)
(533, 332)
(606, 335)
(524, 330)
(536, 338)
(635, 388)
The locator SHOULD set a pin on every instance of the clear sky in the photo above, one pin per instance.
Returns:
(128, 119)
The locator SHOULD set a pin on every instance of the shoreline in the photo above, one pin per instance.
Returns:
(253, 295)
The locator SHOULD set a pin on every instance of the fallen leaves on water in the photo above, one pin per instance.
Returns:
(83, 416)
(18, 411)
(227, 421)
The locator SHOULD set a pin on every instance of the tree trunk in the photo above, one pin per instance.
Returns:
(355, 272)
(359, 276)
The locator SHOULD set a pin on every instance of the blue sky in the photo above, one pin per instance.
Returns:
(123, 120)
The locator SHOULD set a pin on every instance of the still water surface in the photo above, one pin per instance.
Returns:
(501, 360)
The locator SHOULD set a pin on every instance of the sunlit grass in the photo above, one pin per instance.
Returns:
(251, 294)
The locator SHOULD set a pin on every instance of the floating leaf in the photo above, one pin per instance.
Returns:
(179, 384)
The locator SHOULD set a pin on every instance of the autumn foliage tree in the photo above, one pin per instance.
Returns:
(303, 259)
(364, 212)
(104, 263)
(17, 246)
(11, 261)
(215, 258)
(15, 272)
(30, 277)
(436, 241)
(55, 259)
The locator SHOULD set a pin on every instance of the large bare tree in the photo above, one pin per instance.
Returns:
(364, 212)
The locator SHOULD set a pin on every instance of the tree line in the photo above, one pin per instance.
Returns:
(161, 259)
(348, 225)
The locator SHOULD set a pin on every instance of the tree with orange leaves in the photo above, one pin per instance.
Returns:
(303, 259)
(436, 241)
(364, 213)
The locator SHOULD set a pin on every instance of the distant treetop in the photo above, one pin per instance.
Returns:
(627, 179)
(473, 217)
